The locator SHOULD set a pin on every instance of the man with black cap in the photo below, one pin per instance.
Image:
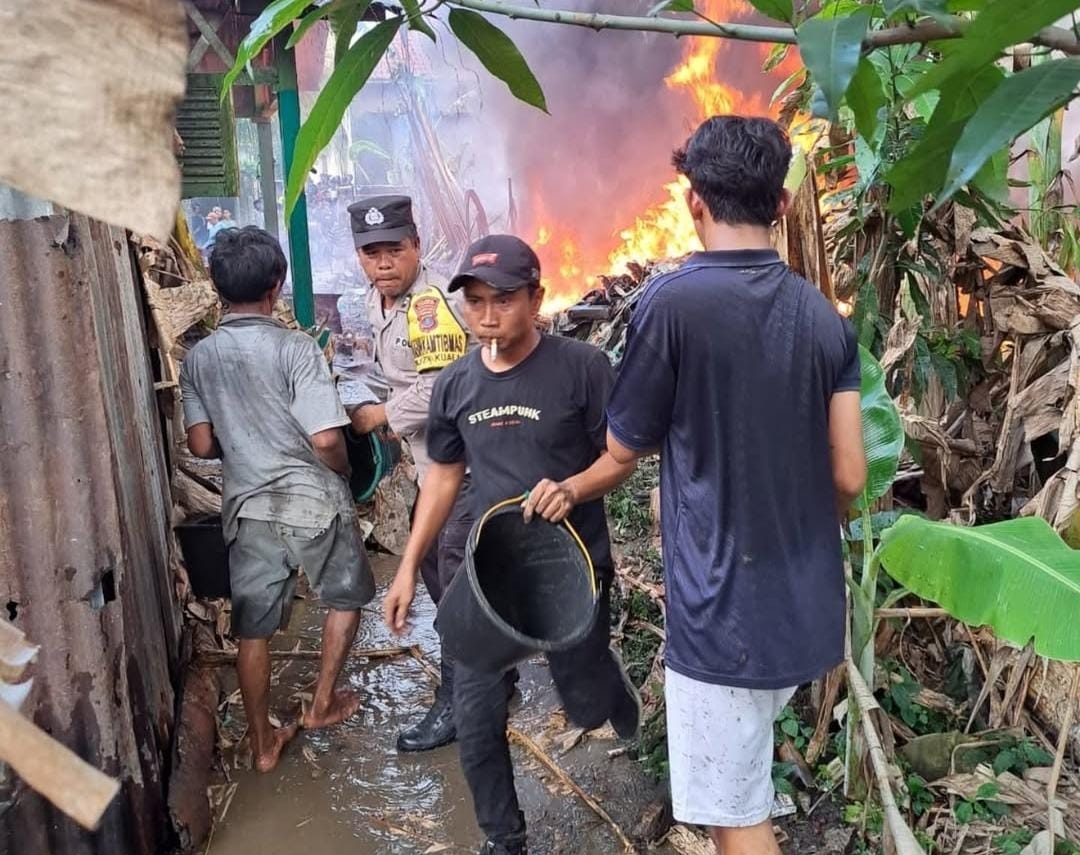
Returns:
(417, 334)
(526, 411)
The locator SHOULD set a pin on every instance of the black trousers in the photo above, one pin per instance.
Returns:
(447, 554)
(589, 682)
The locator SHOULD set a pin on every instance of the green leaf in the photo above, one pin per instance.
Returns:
(274, 18)
(1019, 103)
(671, 6)
(988, 790)
(964, 812)
(883, 435)
(416, 19)
(790, 727)
(946, 373)
(1004, 761)
(780, 10)
(1001, 24)
(831, 49)
(1017, 577)
(866, 97)
(310, 20)
(348, 78)
(344, 21)
(922, 170)
(498, 54)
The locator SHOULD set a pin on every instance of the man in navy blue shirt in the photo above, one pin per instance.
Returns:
(746, 380)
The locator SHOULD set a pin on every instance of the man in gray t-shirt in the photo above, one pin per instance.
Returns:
(261, 397)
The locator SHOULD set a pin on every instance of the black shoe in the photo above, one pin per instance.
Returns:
(493, 848)
(435, 730)
(626, 715)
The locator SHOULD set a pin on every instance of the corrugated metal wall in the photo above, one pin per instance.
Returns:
(84, 514)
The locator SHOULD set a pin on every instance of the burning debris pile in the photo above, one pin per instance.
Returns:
(602, 315)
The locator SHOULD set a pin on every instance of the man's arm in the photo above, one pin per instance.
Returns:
(368, 417)
(441, 486)
(846, 448)
(553, 500)
(202, 442)
(330, 448)
(622, 454)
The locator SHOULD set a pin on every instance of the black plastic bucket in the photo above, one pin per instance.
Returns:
(372, 457)
(206, 556)
(524, 588)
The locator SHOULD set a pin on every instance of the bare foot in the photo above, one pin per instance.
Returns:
(267, 760)
(343, 705)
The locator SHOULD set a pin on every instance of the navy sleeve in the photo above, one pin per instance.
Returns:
(849, 377)
(445, 443)
(640, 410)
(599, 380)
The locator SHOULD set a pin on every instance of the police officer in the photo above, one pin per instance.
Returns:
(418, 332)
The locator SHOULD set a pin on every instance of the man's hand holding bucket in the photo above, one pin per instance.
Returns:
(552, 500)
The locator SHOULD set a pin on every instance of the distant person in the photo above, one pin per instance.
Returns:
(746, 379)
(227, 221)
(557, 455)
(218, 224)
(199, 231)
(212, 219)
(418, 332)
(261, 397)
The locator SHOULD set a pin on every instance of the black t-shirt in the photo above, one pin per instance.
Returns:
(544, 418)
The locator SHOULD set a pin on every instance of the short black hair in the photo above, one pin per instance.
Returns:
(737, 165)
(246, 264)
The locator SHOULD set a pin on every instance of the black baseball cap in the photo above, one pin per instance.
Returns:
(382, 219)
(504, 262)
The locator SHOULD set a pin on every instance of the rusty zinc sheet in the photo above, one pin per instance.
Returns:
(84, 525)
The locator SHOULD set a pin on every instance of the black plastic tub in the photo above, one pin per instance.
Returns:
(525, 588)
(206, 556)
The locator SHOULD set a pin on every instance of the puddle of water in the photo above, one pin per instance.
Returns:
(346, 789)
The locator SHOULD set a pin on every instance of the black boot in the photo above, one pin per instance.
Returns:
(437, 727)
(513, 844)
(493, 848)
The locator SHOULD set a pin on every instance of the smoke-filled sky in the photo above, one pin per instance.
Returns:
(603, 155)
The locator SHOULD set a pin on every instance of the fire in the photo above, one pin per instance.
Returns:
(664, 230)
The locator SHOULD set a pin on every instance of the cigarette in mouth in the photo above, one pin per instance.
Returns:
(494, 348)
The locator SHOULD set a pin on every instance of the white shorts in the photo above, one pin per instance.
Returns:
(720, 748)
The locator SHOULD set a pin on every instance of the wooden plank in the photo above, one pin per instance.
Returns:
(64, 778)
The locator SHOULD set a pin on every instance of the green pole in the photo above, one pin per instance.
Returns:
(299, 247)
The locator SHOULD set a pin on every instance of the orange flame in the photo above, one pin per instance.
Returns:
(664, 230)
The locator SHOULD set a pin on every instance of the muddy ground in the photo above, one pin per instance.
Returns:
(346, 791)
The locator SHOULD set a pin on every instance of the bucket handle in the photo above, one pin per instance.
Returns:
(517, 500)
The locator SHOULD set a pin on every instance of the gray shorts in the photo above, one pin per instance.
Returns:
(264, 559)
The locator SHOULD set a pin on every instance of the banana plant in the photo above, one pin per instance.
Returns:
(1017, 577)
(883, 441)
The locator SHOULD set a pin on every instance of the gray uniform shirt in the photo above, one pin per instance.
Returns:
(266, 389)
(410, 391)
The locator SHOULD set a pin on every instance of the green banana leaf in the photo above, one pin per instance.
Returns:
(1017, 577)
(883, 434)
